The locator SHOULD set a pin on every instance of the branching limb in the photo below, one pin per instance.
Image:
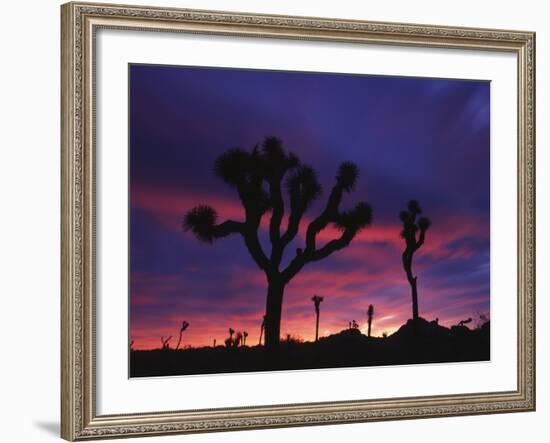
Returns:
(350, 222)
(201, 220)
(278, 210)
(303, 188)
(255, 248)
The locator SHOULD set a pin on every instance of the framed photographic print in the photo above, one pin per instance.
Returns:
(280, 221)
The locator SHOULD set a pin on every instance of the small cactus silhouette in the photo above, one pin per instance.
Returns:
(370, 313)
(354, 325)
(412, 244)
(245, 334)
(229, 341)
(317, 299)
(238, 339)
(465, 322)
(165, 344)
(184, 326)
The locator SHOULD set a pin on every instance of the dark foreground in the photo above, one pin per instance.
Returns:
(414, 343)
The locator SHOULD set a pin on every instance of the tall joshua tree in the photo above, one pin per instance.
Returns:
(370, 313)
(411, 227)
(184, 326)
(245, 334)
(260, 178)
(317, 299)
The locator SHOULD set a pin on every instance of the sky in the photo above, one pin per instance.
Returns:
(412, 138)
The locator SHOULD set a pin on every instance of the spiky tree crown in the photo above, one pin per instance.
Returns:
(260, 177)
(410, 224)
(303, 187)
(358, 217)
(424, 223)
(317, 299)
(347, 176)
(200, 220)
(414, 207)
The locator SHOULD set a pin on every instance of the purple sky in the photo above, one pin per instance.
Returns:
(426, 139)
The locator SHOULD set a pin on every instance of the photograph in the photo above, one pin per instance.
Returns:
(289, 220)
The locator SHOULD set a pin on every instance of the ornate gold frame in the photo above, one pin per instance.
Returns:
(79, 420)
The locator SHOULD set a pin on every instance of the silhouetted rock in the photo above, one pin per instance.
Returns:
(420, 329)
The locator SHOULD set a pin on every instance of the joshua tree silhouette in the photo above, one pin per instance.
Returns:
(259, 177)
(370, 313)
(238, 339)
(165, 344)
(354, 325)
(410, 228)
(229, 341)
(245, 334)
(184, 326)
(317, 299)
(262, 330)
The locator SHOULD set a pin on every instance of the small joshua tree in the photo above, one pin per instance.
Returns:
(245, 334)
(165, 344)
(229, 341)
(465, 322)
(317, 299)
(184, 326)
(411, 226)
(354, 325)
(261, 177)
(262, 330)
(370, 313)
(238, 339)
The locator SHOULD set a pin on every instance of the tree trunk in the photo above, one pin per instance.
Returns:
(407, 265)
(274, 304)
(370, 320)
(414, 298)
(317, 327)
